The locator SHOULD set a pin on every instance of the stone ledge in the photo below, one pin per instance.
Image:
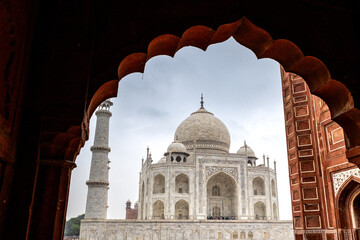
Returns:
(100, 148)
(97, 183)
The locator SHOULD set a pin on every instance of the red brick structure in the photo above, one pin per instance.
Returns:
(131, 213)
(59, 60)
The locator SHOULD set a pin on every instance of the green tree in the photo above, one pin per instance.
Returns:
(72, 226)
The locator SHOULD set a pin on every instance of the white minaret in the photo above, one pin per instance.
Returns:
(98, 184)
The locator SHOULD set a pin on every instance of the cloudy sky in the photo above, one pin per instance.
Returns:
(242, 91)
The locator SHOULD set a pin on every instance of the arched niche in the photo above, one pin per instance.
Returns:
(181, 209)
(182, 183)
(158, 210)
(258, 186)
(159, 184)
(222, 194)
(348, 208)
(260, 211)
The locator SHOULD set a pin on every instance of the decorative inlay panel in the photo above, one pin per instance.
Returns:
(301, 111)
(300, 99)
(307, 166)
(210, 171)
(313, 221)
(310, 193)
(304, 140)
(305, 153)
(299, 87)
(340, 178)
(311, 207)
(303, 125)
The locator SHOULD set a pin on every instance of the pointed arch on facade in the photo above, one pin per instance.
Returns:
(182, 183)
(260, 211)
(347, 204)
(158, 210)
(159, 184)
(258, 186)
(221, 196)
(182, 209)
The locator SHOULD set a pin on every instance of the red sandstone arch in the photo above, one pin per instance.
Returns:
(349, 189)
(311, 69)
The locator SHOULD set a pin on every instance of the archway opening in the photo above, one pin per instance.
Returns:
(356, 213)
(348, 206)
(260, 211)
(222, 197)
(182, 210)
(158, 210)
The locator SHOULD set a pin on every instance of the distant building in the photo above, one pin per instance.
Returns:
(131, 213)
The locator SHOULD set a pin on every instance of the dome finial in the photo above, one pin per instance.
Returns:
(202, 101)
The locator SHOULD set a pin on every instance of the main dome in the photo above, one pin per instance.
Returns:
(209, 132)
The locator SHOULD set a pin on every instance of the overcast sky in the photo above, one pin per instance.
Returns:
(242, 91)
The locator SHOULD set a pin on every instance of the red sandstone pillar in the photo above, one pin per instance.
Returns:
(50, 200)
(305, 172)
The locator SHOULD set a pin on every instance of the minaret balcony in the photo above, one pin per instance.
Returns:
(100, 148)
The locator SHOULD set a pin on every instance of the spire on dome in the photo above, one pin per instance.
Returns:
(202, 101)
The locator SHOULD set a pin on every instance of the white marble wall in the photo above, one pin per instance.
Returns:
(184, 230)
(199, 172)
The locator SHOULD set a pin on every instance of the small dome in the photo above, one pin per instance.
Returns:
(246, 150)
(176, 147)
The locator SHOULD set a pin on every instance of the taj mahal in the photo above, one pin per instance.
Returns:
(197, 190)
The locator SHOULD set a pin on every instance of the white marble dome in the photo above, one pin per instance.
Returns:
(209, 132)
(246, 150)
(176, 147)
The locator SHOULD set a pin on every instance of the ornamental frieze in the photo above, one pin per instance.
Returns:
(341, 177)
(210, 171)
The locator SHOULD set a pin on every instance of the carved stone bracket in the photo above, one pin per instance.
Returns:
(341, 177)
(210, 171)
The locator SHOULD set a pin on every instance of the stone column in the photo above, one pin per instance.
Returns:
(305, 171)
(98, 183)
(50, 200)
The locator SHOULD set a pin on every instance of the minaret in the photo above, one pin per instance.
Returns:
(98, 184)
